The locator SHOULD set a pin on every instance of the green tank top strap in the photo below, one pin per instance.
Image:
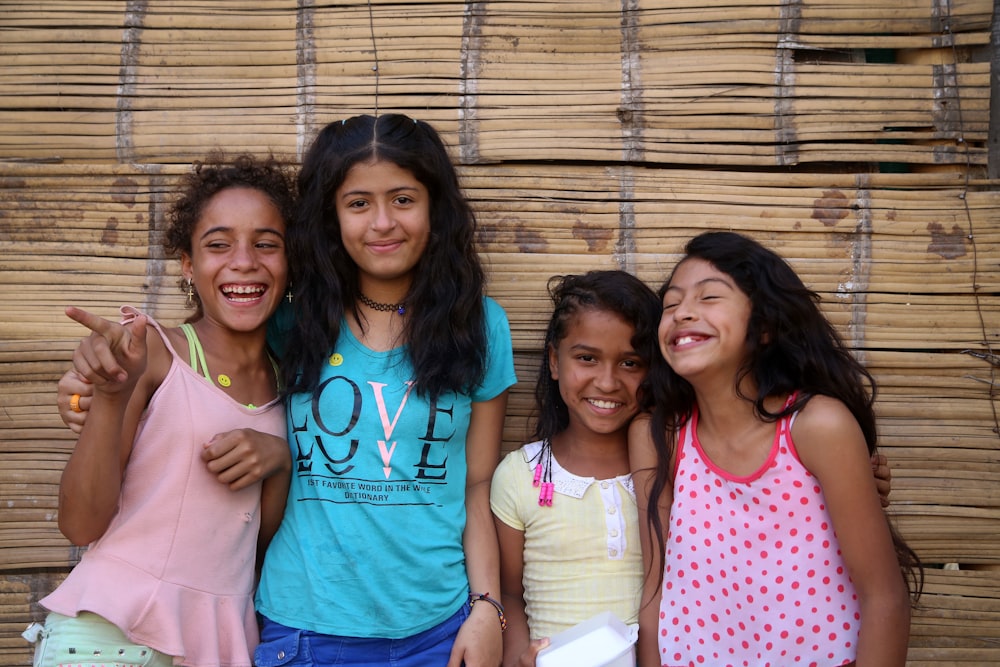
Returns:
(196, 353)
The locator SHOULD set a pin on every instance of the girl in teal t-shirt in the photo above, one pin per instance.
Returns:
(397, 369)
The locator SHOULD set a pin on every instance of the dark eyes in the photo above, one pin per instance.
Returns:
(223, 245)
(627, 363)
(399, 200)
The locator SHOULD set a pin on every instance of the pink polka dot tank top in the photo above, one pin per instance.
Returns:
(753, 573)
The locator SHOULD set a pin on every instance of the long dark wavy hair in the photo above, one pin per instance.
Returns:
(790, 346)
(444, 328)
(615, 292)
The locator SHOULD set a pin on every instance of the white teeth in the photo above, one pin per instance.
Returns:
(683, 340)
(243, 289)
(606, 405)
(243, 293)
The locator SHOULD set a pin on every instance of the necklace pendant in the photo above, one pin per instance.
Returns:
(224, 380)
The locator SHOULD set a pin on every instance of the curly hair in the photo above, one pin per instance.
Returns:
(208, 178)
(791, 346)
(445, 328)
(615, 292)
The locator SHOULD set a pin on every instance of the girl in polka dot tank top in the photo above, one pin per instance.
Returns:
(755, 461)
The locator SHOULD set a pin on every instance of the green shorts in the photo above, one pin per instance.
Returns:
(87, 640)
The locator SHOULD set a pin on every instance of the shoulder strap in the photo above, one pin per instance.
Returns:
(195, 352)
(785, 424)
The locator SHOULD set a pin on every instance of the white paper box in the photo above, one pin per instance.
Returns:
(602, 641)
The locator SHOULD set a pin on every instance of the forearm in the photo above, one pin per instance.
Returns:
(91, 482)
(482, 550)
(479, 642)
(885, 631)
(647, 648)
(517, 637)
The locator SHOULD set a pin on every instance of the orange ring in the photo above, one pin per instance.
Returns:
(74, 403)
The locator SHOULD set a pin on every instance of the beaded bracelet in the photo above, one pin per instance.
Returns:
(485, 597)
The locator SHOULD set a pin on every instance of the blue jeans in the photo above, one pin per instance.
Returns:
(282, 646)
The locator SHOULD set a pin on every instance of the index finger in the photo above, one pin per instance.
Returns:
(95, 323)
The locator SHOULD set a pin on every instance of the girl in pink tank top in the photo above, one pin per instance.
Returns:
(162, 484)
(755, 462)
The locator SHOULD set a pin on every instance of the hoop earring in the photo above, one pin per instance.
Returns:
(189, 290)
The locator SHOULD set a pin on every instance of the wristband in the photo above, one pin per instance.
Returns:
(485, 597)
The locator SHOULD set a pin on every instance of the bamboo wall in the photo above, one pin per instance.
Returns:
(852, 136)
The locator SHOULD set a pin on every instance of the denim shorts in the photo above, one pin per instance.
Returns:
(87, 640)
(282, 646)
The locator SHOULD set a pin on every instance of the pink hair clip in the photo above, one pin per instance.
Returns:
(543, 475)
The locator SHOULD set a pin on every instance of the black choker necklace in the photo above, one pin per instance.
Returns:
(400, 308)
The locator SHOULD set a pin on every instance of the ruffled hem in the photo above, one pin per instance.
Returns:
(198, 628)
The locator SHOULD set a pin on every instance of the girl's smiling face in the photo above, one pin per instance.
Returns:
(385, 226)
(598, 371)
(704, 322)
(237, 261)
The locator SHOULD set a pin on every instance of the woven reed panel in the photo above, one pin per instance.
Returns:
(850, 136)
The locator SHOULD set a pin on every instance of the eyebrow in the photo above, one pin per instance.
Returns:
(223, 228)
(401, 188)
(705, 281)
(581, 347)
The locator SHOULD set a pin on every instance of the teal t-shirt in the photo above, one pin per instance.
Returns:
(371, 541)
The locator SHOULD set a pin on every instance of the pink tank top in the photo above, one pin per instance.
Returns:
(753, 573)
(175, 568)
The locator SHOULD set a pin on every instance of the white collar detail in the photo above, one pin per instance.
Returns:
(565, 482)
